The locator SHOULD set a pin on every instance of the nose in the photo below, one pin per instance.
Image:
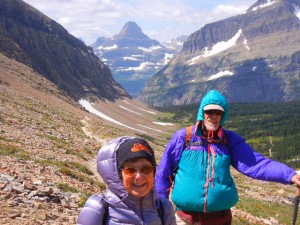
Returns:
(138, 174)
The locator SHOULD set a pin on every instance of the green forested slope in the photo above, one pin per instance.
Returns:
(272, 129)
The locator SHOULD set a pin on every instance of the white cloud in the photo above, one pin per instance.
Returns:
(229, 9)
(161, 20)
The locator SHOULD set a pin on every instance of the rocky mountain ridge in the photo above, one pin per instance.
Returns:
(249, 57)
(31, 37)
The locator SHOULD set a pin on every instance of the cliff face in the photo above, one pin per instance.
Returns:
(38, 41)
(250, 57)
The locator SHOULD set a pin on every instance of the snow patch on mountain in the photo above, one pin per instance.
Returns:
(263, 5)
(220, 74)
(217, 48)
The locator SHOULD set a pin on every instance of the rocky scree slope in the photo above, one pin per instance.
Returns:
(47, 163)
(48, 147)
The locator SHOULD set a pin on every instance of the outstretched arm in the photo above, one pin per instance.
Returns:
(256, 165)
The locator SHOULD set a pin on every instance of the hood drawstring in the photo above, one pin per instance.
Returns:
(210, 172)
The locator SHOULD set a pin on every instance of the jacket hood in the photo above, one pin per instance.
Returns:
(108, 169)
(216, 98)
(107, 166)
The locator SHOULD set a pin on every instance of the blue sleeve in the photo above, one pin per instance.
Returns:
(255, 165)
(168, 163)
(93, 211)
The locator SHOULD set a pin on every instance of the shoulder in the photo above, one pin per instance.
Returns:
(93, 211)
(232, 137)
(96, 202)
(180, 133)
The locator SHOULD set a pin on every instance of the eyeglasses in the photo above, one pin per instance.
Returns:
(213, 111)
(144, 170)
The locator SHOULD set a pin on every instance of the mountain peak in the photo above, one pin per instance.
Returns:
(132, 35)
(131, 31)
(131, 28)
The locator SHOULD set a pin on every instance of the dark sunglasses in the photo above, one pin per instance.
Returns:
(144, 170)
(213, 111)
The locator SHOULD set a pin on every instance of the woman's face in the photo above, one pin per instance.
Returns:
(212, 119)
(138, 177)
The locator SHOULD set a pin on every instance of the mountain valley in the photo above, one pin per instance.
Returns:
(59, 104)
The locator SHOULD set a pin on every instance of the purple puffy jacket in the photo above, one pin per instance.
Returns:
(115, 205)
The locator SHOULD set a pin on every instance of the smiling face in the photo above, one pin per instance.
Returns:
(139, 183)
(212, 119)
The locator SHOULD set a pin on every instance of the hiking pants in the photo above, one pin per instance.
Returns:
(223, 217)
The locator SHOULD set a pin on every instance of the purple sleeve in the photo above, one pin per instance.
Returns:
(93, 211)
(254, 164)
(168, 163)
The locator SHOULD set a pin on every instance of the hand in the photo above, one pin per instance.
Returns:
(296, 179)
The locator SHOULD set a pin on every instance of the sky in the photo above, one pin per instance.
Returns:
(162, 20)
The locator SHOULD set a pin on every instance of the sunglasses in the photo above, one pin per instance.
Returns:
(144, 170)
(213, 111)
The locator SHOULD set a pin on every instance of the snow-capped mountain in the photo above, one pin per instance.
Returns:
(133, 57)
(251, 57)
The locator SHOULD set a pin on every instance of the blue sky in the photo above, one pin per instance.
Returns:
(162, 20)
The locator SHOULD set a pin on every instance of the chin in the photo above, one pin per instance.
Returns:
(139, 194)
(212, 128)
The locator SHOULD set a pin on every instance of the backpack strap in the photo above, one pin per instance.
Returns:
(188, 136)
(161, 211)
(105, 213)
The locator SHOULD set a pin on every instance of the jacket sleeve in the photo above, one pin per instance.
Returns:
(168, 163)
(93, 211)
(254, 164)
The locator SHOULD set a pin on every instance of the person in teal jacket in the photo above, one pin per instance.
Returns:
(203, 190)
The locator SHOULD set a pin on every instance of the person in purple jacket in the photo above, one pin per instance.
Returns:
(127, 165)
(203, 189)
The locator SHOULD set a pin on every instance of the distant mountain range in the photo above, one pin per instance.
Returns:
(133, 57)
(251, 57)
